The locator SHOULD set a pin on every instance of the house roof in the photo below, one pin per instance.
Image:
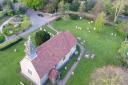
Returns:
(52, 51)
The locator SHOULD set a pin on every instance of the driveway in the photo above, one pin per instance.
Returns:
(37, 21)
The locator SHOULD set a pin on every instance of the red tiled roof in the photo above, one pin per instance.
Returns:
(52, 51)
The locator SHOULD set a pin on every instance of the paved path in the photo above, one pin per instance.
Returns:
(37, 22)
(51, 27)
(68, 75)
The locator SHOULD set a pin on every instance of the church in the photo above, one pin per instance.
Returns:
(43, 63)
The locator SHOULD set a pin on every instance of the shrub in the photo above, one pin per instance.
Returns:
(75, 5)
(8, 31)
(74, 17)
(41, 37)
(2, 38)
(10, 43)
(123, 54)
(26, 23)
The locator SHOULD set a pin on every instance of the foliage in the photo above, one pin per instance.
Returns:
(2, 38)
(1, 14)
(99, 23)
(10, 43)
(89, 4)
(109, 76)
(8, 30)
(26, 23)
(123, 27)
(61, 7)
(125, 11)
(74, 17)
(75, 5)
(123, 51)
(41, 37)
(34, 4)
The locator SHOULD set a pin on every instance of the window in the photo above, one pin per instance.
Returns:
(29, 71)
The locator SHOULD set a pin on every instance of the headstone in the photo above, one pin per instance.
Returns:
(15, 50)
(72, 73)
(111, 33)
(65, 68)
(40, 28)
(76, 26)
(45, 30)
(21, 83)
(86, 56)
(80, 17)
(94, 28)
(91, 21)
(92, 56)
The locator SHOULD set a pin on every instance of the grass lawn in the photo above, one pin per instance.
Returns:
(103, 44)
(9, 65)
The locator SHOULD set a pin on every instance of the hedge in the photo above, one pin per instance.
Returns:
(10, 43)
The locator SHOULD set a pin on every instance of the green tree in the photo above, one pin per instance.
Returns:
(123, 51)
(61, 7)
(34, 4)
(41, 37)
(75, 5)
(26, 23)
(99, 23)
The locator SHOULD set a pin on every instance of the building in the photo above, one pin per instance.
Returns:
(43, 63)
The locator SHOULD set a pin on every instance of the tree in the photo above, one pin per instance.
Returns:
(34, 4)
(61, 7)
(118, 6)
(75, 5)
(99, 23)
(41, 37)
(123, 52)
(82, 8)
(109, 76)
(26, 23)
(123, 27)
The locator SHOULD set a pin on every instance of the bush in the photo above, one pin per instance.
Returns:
(2, 38)
(26, 23)
(8, 31)
(10, 43)
(75, 5)
(123, 54)
(74, 17)
(126, 11)
(41, 37)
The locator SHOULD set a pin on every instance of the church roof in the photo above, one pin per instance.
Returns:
(52, 51)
